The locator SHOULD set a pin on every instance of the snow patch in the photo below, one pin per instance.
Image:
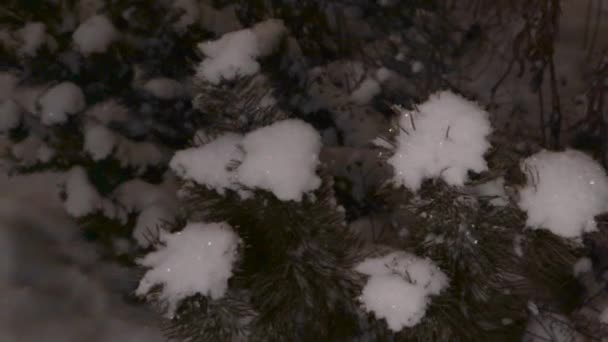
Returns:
(235, 53)
(399, 287)
(196, 260)
(208, 164)
(281, 158)
(445, 137)
(564, 192)
(95, 35)
(58, 102)
(99, 141)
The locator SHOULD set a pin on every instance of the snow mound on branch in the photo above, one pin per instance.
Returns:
(564, 192)
(99, 141)
(445, 137)
(235, 53)
(58, 102)
(196, 260)
(208, 164)
(399, 287)
(95, 35)
(282, 158)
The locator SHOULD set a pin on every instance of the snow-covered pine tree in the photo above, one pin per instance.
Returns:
(458, 235)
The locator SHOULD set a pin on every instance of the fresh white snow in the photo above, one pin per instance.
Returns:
(445, 138)
(235, 53)
(58, 102)
(564, 192)
(95, 35)
(99, 141)
(196, 260)
(281, 158)
(399, 287)
(208, 164)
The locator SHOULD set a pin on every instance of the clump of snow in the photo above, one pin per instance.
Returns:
(281, 158)
(81, 197)
(99, 141)
(163, 88)
(32, 36)
(366, 91)
(445, 137)
(399, 287)
(108, 111)
(564, 192)
(208, 164)
(235, 53)
(95, 35)
(196, 260)
(10, 115)
(58, 102)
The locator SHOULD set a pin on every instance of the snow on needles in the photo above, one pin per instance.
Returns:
(445, 137)
(196, 260)
(564, 192)
(95, 35)
(281, 158)
(235, 53)
(399, 287)
(208, 164)
(58, 102)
